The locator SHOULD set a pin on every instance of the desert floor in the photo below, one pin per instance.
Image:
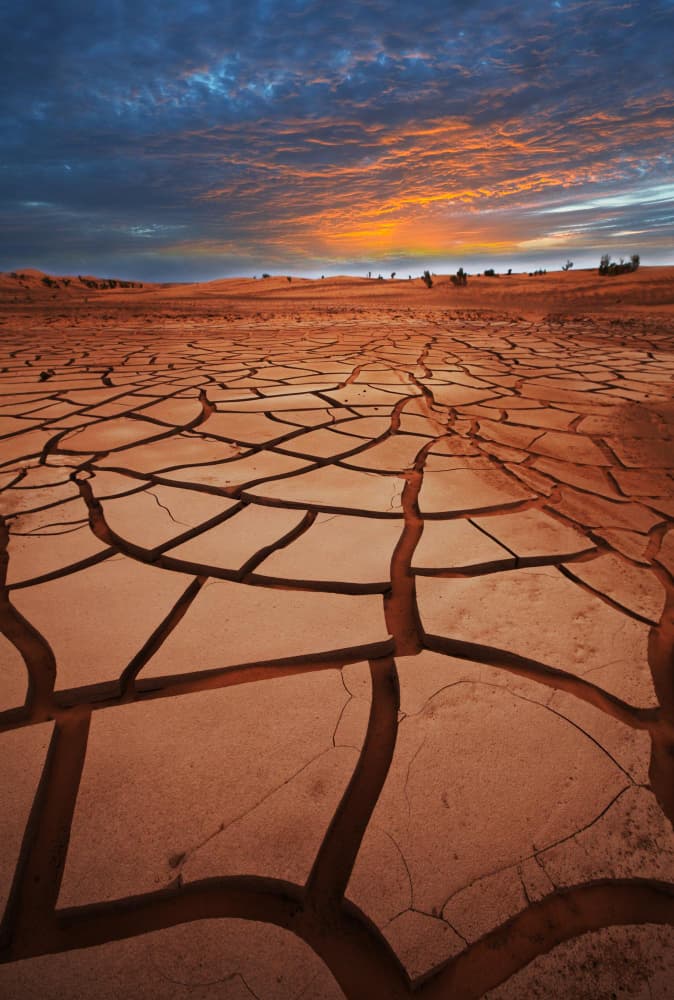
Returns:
(337, 639)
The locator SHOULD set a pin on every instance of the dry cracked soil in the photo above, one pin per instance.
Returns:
(337, 654)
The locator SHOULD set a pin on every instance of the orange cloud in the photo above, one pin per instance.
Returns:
(338, 189)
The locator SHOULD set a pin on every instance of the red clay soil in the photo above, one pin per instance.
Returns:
(337, 638)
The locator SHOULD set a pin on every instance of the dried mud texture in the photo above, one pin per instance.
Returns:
(337, 654)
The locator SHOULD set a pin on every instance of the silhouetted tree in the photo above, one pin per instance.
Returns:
(567, 266)
(427, 280)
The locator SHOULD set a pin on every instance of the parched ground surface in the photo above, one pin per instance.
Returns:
(337, 656)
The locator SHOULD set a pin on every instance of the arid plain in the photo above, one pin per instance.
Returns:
(338, 638)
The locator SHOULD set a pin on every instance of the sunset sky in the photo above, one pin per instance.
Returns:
(188, 140)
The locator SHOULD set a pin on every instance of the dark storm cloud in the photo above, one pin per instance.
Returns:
(201, 138)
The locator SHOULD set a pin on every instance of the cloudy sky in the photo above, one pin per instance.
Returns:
(186, 140)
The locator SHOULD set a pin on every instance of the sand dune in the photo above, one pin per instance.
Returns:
(649, 289)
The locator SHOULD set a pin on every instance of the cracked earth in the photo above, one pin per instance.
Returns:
(338, 655)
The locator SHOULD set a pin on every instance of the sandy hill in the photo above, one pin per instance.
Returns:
(649, 289)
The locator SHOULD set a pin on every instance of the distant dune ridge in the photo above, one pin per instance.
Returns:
(650, 288)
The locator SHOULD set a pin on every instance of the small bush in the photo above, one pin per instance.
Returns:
(460, 278)
(427, 280)
(567, 266)
(609, 267)
(266, 275)
(490, 273)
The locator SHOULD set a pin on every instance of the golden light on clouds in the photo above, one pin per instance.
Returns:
(307, 135)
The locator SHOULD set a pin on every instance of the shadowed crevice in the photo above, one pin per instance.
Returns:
(30, 912)
(334, 863)
(564, 915)
(36, 652)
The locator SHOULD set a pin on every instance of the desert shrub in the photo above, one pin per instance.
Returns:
(610, 267)
(393, 274)
(427, 280)
(266, 275)
(567, 266)
(490, 273)
(289, 279)
(460, 278)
